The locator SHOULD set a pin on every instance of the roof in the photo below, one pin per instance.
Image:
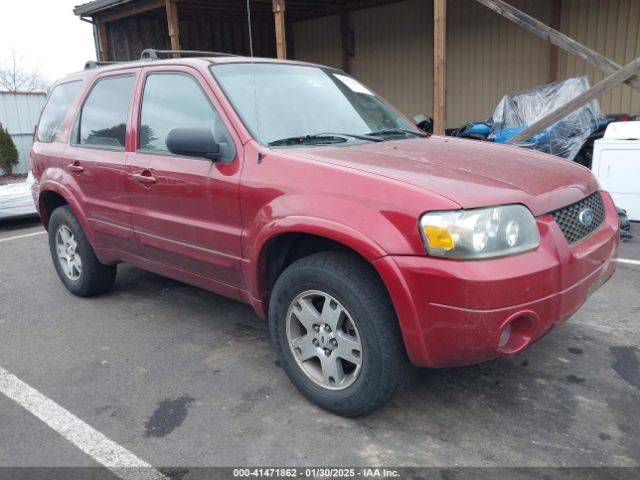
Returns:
(82, 74)
(96, 6)
(295, 8)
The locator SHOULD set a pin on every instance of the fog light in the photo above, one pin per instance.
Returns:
(504, 336)
(517, 332)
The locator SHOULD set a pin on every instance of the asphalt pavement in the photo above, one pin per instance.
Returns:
(181, 377)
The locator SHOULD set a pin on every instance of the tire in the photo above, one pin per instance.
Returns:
(351, 286)
(79, 270)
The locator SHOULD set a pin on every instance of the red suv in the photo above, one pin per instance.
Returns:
(367, 244)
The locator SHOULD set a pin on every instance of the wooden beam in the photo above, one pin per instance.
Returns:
(439, 65)
(174, 28)
(566, 43)
(129, 11)
(103, 40)
(598, 89)
(281, 30)
(554, 51)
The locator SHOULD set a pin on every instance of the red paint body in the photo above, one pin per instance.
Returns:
(209, 224)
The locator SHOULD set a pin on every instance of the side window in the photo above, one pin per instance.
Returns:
(175, 100)
(56, 109)
(103, 118)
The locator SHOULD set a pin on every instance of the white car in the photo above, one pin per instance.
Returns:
(16, 199)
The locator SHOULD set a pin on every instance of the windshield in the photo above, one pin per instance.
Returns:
(279, 102)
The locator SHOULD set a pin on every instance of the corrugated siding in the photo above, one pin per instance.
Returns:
(318, 41)
(394, 52)
(19, 114)
(129, 36)
(611, 28)
(487, 56)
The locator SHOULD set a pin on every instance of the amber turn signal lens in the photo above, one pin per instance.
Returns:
(439, 237)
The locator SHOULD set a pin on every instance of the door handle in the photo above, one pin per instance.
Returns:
(144, 179)
(75, 167)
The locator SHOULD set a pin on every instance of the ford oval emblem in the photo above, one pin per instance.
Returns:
(586, 216)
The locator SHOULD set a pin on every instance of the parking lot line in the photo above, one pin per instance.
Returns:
(629, 261)
(22, 236)
(116, 458)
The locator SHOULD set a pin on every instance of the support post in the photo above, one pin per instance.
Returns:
(439, 65)
(566, 43)
(172, 24)
(598, 89)
(281, 33)
(103, 41)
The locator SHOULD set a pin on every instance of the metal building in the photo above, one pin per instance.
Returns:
(19, 113)
(389, 44)
(487, 56)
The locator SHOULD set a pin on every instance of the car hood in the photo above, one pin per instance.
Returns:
(470, 173)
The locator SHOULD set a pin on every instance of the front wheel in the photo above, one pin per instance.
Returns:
(73, 257)
(336, 332)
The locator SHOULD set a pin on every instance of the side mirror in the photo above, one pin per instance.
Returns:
(193, 142)
(423, 122)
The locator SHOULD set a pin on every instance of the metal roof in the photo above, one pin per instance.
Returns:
(96, 6)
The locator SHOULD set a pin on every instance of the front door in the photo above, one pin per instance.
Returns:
(186, 211)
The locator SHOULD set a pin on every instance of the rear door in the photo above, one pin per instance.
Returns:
(96, 159)
(185, 210)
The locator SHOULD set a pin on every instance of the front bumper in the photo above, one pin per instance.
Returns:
(453, 313)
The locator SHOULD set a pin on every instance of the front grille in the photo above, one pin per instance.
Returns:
(568, 218)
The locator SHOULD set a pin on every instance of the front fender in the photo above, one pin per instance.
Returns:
(332, 230)
(357, 241)
(357, 220)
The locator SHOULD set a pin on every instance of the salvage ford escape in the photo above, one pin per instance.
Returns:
(367, 244)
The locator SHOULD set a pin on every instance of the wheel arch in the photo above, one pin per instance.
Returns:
(281, 248)
(48, 201)
(53, 196)
(279, 245)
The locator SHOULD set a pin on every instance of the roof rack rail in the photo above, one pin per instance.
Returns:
(152, 54)
(95, 64)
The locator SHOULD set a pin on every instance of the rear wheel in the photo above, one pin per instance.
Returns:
(74, 258)
(335, 330)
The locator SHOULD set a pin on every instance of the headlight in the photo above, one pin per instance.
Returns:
(479, 233)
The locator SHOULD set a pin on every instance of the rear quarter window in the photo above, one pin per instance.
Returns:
(56, 109)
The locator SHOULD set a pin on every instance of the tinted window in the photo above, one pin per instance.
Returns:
(173, 100)
(56, 109)
(103, 120)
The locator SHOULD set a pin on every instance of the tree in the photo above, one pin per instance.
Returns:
(8, 151)
(15, 76)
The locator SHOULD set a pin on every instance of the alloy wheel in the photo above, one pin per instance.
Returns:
(324, 340)
(67, 251)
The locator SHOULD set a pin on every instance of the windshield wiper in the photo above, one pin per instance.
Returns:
(370, 137)
(308, 140)
(398, 131)
(321, 139)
